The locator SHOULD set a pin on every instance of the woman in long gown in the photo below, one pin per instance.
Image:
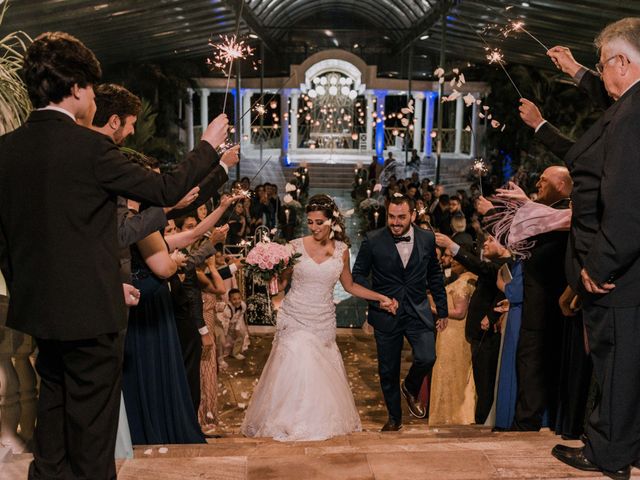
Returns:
(303, 393)
(507, 378)
(453, 392)
(213, 286)
(154, 383)
(155, 388)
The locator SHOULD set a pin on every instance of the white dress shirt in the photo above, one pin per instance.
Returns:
(58, 109)
(405, 248)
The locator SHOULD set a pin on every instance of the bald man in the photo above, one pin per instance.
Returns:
(539, 347)
(554, 185)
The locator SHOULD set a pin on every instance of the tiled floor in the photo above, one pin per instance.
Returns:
(418, 451)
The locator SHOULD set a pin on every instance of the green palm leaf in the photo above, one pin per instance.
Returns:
(14, 100)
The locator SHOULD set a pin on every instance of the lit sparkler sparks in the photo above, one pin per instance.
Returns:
(495, 55)
(260, 109)
(241, 192)
(480, 169)
(227, 51)
(518, 26)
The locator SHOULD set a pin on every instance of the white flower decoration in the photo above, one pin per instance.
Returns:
(454, 95)
(469, 99)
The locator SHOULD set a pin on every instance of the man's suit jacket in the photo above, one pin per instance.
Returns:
(186, 294)
(208, 189)
(59, 184)
(544, 278)
(556, 141)
(485, 296)
(133, 227)
(379, 258)
(604, 226)
(606, 234)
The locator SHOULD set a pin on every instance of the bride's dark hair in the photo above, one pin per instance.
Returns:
(326, 205)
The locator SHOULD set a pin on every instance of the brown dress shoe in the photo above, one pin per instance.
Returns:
(415, 407)
(391, 426)
(574, 457)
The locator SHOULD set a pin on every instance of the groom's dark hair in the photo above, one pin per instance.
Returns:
(399, 199)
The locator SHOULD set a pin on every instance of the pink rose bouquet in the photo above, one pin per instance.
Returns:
(267, 260)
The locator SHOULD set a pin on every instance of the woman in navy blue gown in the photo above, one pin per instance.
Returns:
(156, 393)
(507, 379)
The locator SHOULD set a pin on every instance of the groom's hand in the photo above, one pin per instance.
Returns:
(390, 305)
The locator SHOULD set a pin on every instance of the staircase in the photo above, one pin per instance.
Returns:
(339, 176)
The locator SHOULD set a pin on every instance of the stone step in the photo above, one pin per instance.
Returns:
(453, 172)
(470, 437)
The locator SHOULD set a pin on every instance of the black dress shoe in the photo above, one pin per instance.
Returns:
(391, 426)
(415, 407)
(574, 457)
(500, 429)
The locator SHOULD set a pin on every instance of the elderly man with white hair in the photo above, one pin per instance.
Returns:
(604, 262)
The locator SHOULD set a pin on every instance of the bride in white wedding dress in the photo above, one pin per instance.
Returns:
(303, 393)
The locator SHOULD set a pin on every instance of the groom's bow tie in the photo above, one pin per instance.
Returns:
(402, 239)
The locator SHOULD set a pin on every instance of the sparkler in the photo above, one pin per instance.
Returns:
(495, 55)
(260, 109)
(260, 169)
(518, 26)
(261, 98)
(225, 53)
(241, 192)
(480, 169)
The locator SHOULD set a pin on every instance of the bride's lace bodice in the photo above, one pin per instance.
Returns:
(309, 302)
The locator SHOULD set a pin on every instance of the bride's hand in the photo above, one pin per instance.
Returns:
(389, 304)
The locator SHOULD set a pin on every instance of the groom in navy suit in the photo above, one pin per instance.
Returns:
(401, 261)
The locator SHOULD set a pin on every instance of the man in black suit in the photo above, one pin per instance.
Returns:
(482, 317)
(59, 252)
(604, 262)
(575, 368)
(539, 349)
(115, 115)
(403, 264)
